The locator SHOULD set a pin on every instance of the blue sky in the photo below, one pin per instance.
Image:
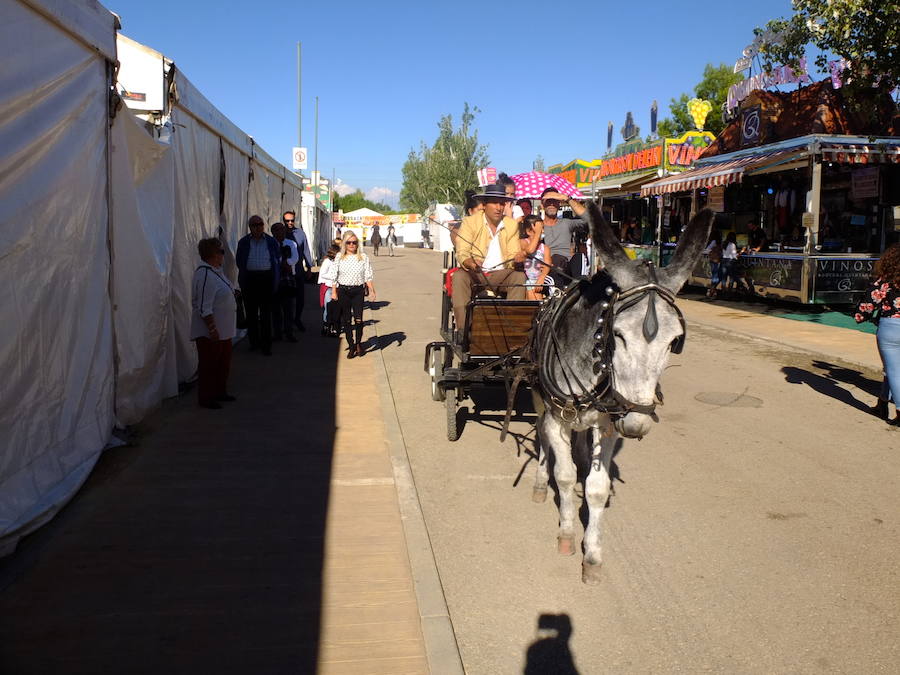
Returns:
(546, 76)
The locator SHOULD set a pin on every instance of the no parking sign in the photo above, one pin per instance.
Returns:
(299, 158)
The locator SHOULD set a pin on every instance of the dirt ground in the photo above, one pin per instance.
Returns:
(754, 530)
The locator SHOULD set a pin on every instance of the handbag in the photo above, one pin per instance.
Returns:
(241, 318)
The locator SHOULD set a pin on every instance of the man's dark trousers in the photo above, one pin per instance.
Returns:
(300, 300)
(258, 297)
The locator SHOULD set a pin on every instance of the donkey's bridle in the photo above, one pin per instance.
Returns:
(603, 396)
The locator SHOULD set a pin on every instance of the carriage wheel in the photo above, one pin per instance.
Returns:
(436, 369)
(452, 423)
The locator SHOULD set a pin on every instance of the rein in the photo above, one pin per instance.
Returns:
(546, 351)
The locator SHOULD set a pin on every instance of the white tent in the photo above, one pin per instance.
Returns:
(99, 223)
(359, 214)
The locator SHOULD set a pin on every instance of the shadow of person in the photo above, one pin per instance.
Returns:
(384, 341)
(550, 654)
(823, 385)
(378, 304)
(849, 376)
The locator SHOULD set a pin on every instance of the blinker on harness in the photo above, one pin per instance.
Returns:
(546, 352)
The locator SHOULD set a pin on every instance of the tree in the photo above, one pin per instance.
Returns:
(357, 200)
(444, 171)
(864, 32)
(713, 88)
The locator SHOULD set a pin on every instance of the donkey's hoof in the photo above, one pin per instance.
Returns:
(565, 545)
(590, 574)
(539, 495)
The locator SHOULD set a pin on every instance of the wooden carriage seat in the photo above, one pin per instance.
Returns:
(499, 326)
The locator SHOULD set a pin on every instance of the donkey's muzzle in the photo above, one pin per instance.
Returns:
(634, 425)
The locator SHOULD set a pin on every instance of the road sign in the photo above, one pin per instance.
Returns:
(299, 158)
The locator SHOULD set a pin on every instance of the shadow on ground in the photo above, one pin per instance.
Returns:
(550, 653)
(198, 550)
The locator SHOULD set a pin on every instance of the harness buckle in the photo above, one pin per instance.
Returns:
(569, 413)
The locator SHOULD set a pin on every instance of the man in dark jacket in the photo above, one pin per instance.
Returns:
(258, 260)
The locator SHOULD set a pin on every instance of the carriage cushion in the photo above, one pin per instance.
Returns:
(448, 281)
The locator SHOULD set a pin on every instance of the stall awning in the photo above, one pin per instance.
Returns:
(717, 173)
(620, 183)
(863, 153)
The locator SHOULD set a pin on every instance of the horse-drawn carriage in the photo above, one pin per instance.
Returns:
(593, 355)
(483, 353)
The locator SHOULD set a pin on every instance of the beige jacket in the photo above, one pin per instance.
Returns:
(475, 237)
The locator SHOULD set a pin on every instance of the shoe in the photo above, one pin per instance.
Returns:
(227, 398)
(291, 338)
(359, 350)
(880, 409)
(212, 406)
(895, 422)
(351, 353)
(325, 330)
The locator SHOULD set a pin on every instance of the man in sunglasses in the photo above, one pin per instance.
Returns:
(296, 233)
(558, 231)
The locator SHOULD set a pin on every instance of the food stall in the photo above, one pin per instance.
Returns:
(803, 169)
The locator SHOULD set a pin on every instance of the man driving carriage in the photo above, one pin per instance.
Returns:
(487, 248)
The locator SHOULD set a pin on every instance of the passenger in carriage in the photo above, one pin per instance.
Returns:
(535, 270)
(487, 248)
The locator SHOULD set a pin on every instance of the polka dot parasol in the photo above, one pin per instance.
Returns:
(530, 185)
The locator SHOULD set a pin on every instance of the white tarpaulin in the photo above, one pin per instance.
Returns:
(86, 343)
(197, 173)
(142, 185)
(56, 352)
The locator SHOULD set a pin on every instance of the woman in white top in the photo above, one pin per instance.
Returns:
(352, 276)
(327, 271)
(212, 325)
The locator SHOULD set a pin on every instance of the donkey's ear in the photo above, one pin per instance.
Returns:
(614, 258)
(687, 253)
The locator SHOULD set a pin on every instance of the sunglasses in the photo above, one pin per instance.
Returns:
(353, 242)
(288, 220)
(551, 202)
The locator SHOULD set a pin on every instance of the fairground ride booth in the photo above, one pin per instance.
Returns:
(821, 182)
(615, 181)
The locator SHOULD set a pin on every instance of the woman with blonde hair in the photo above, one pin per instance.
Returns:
(352, 276)
(881, 304)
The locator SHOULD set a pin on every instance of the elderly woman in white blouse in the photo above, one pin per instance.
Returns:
(212, 324)
(352, 274)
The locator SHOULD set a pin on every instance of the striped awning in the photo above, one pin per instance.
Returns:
(717, 173)
(863, 153)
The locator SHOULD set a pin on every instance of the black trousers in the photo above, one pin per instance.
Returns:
(258, 297)
(283, 314)
(300, 299)
(351, 299)
(561, 262)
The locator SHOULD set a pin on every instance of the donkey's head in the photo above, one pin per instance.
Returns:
(646, 325)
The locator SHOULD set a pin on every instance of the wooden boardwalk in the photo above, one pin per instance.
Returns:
(263, 538)
(370, 620)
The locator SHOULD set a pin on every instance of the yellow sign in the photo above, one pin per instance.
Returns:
(699, 110)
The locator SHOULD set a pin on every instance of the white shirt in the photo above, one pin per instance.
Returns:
(212, 293)
(294, 257)
(352, 270)
(493, 260)
(327, 272)
(730, 251)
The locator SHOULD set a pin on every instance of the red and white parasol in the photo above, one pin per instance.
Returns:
(530, 185)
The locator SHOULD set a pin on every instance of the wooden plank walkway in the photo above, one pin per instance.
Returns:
(263, 538)
(370, 620)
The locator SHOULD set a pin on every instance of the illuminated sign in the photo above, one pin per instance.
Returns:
(779, 75)
(646, 158)
(683, 151)
(578, 172)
